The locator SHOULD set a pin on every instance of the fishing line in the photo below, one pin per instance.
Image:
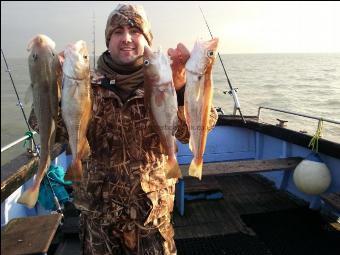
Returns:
(19, 102)
(29, 128)
(232, 90)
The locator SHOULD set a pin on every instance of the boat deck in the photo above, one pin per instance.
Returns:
(253, 217)
(242, 194)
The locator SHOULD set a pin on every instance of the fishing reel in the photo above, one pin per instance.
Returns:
(230, 91)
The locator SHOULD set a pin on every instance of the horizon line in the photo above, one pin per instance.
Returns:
(242, 53)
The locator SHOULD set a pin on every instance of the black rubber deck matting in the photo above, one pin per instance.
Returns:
(231, 244)
(295, 231)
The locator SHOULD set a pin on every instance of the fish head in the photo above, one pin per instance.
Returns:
(157, 68)
(42, 53)
(202, 56)
(76, 60)
(40, 41)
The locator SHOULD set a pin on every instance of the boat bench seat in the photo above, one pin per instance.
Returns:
(29, 235)
(246, 166)
(230, 167)
(333, 199)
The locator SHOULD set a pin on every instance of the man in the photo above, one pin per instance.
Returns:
(125, 199)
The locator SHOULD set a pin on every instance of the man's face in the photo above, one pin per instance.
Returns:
(126, 45)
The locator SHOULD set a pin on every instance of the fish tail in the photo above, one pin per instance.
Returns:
(172, 169)
(86, 151)
(30, 197)
(74, 171)
(195, 168)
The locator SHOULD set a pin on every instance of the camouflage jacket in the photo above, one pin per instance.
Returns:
(125, 195)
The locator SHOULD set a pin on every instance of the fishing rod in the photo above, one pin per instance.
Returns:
(29, 128)
(232, 91)
(94, 41)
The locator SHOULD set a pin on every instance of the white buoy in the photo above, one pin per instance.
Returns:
(312, 175)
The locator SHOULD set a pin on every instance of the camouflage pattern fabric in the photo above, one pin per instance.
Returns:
(125, 200)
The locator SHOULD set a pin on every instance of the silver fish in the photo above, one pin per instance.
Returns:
(76, 104)
(197, 99)
(45, 74)
(161, 100)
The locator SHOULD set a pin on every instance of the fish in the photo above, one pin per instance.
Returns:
(45, 74)
(76, 105)
(198, 99)
(161, 101)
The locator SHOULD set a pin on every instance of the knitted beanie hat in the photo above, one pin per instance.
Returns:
(132, 15)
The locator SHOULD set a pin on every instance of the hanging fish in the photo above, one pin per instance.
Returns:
(198, 98)
(161, 100)
(45, 73)
(76, 104)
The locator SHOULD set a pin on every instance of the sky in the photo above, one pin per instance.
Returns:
(242, 27)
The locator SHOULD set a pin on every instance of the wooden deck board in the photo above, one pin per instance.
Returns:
(29, 235)
(246, 166)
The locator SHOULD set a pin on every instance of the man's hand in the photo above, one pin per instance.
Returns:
(179, 57)
(61, 57)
